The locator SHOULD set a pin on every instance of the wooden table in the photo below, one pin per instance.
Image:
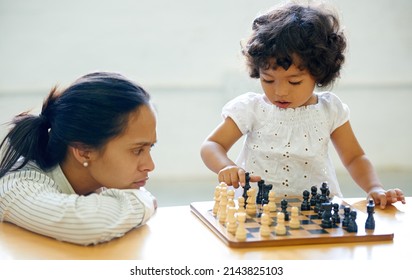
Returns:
(175, 233)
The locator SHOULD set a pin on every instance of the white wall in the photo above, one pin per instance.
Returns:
(186, 53)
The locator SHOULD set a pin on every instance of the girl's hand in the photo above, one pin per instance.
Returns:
(234, 176)
(384, 198)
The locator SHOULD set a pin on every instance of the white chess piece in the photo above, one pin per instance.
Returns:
(241, 230)
(241, 204)
(294, 220)
(264, 228)
(231, 224)
(280, 228)
(222, 213)
(272, 203)
(217, 200)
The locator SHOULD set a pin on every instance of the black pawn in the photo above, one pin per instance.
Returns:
(284, 206)
(335, 215)
(346, 216)
(370, 221)
(352, 226)
(314, 192)
(305, 203)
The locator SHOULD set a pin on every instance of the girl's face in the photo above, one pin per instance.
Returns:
(290, 88)
(125, 162)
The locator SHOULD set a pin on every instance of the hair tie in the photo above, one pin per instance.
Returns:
(45, 120)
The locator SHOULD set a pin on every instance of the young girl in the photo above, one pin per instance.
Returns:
(77, 171)
(292, 49)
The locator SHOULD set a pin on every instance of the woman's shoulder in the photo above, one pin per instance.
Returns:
(30, 172)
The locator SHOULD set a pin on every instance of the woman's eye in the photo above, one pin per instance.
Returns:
(295, 83)
(268, 81)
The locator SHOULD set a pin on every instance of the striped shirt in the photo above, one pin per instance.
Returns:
(45, 203)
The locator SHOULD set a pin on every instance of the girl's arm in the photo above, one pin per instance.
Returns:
(214, 154)
(360, 168)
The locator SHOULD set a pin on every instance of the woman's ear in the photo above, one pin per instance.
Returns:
(81, 153)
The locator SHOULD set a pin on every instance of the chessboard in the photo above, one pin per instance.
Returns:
(310, 231)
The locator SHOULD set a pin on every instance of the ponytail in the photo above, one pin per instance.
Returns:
(27, 140)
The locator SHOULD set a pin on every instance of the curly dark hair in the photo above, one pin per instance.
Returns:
(306, 36)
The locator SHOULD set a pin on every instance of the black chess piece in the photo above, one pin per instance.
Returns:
(370, 220)
(346, 216)
(263, 192)
(266, 190)
(335, 215)
(324, 189)
(284, 206)
(246, 187)
(314, 192)
(327, 215)
(305, 203)
(352, 226)
(259, 195)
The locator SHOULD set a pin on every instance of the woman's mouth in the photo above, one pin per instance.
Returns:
(139, 184)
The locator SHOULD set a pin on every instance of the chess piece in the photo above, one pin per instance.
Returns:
(222, 213)
(241, 204)
(259, 195)
(314, 193)
(217, 200)
(370, 220)
(324, 189)
(272, 203)
(294, 220)
(346, 216)
(241, 232)
(246, 187)
(251, 203)
(280, 228)
(352, 226)
(305, 203)
(335, 215)
(266, 211)
(231, 224)
(326, 215)
(265, 225)
(284, 206)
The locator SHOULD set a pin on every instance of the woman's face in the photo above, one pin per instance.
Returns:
(125, 161)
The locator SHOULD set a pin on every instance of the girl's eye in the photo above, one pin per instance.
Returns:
(295, 83)
(268, 81)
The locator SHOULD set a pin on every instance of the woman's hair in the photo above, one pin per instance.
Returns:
(306, 36)
(90, 112)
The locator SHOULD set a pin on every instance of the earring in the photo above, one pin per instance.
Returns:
(85, 164)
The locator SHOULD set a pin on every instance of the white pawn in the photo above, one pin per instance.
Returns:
(294, 219)
(280, 228)
(272, 203)
(241, 230)
(222, 213)
(251, 202)
(265, 225)
(231, 194)
(217, 200)
(241, 204)
(267, 212)
(231, 224)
